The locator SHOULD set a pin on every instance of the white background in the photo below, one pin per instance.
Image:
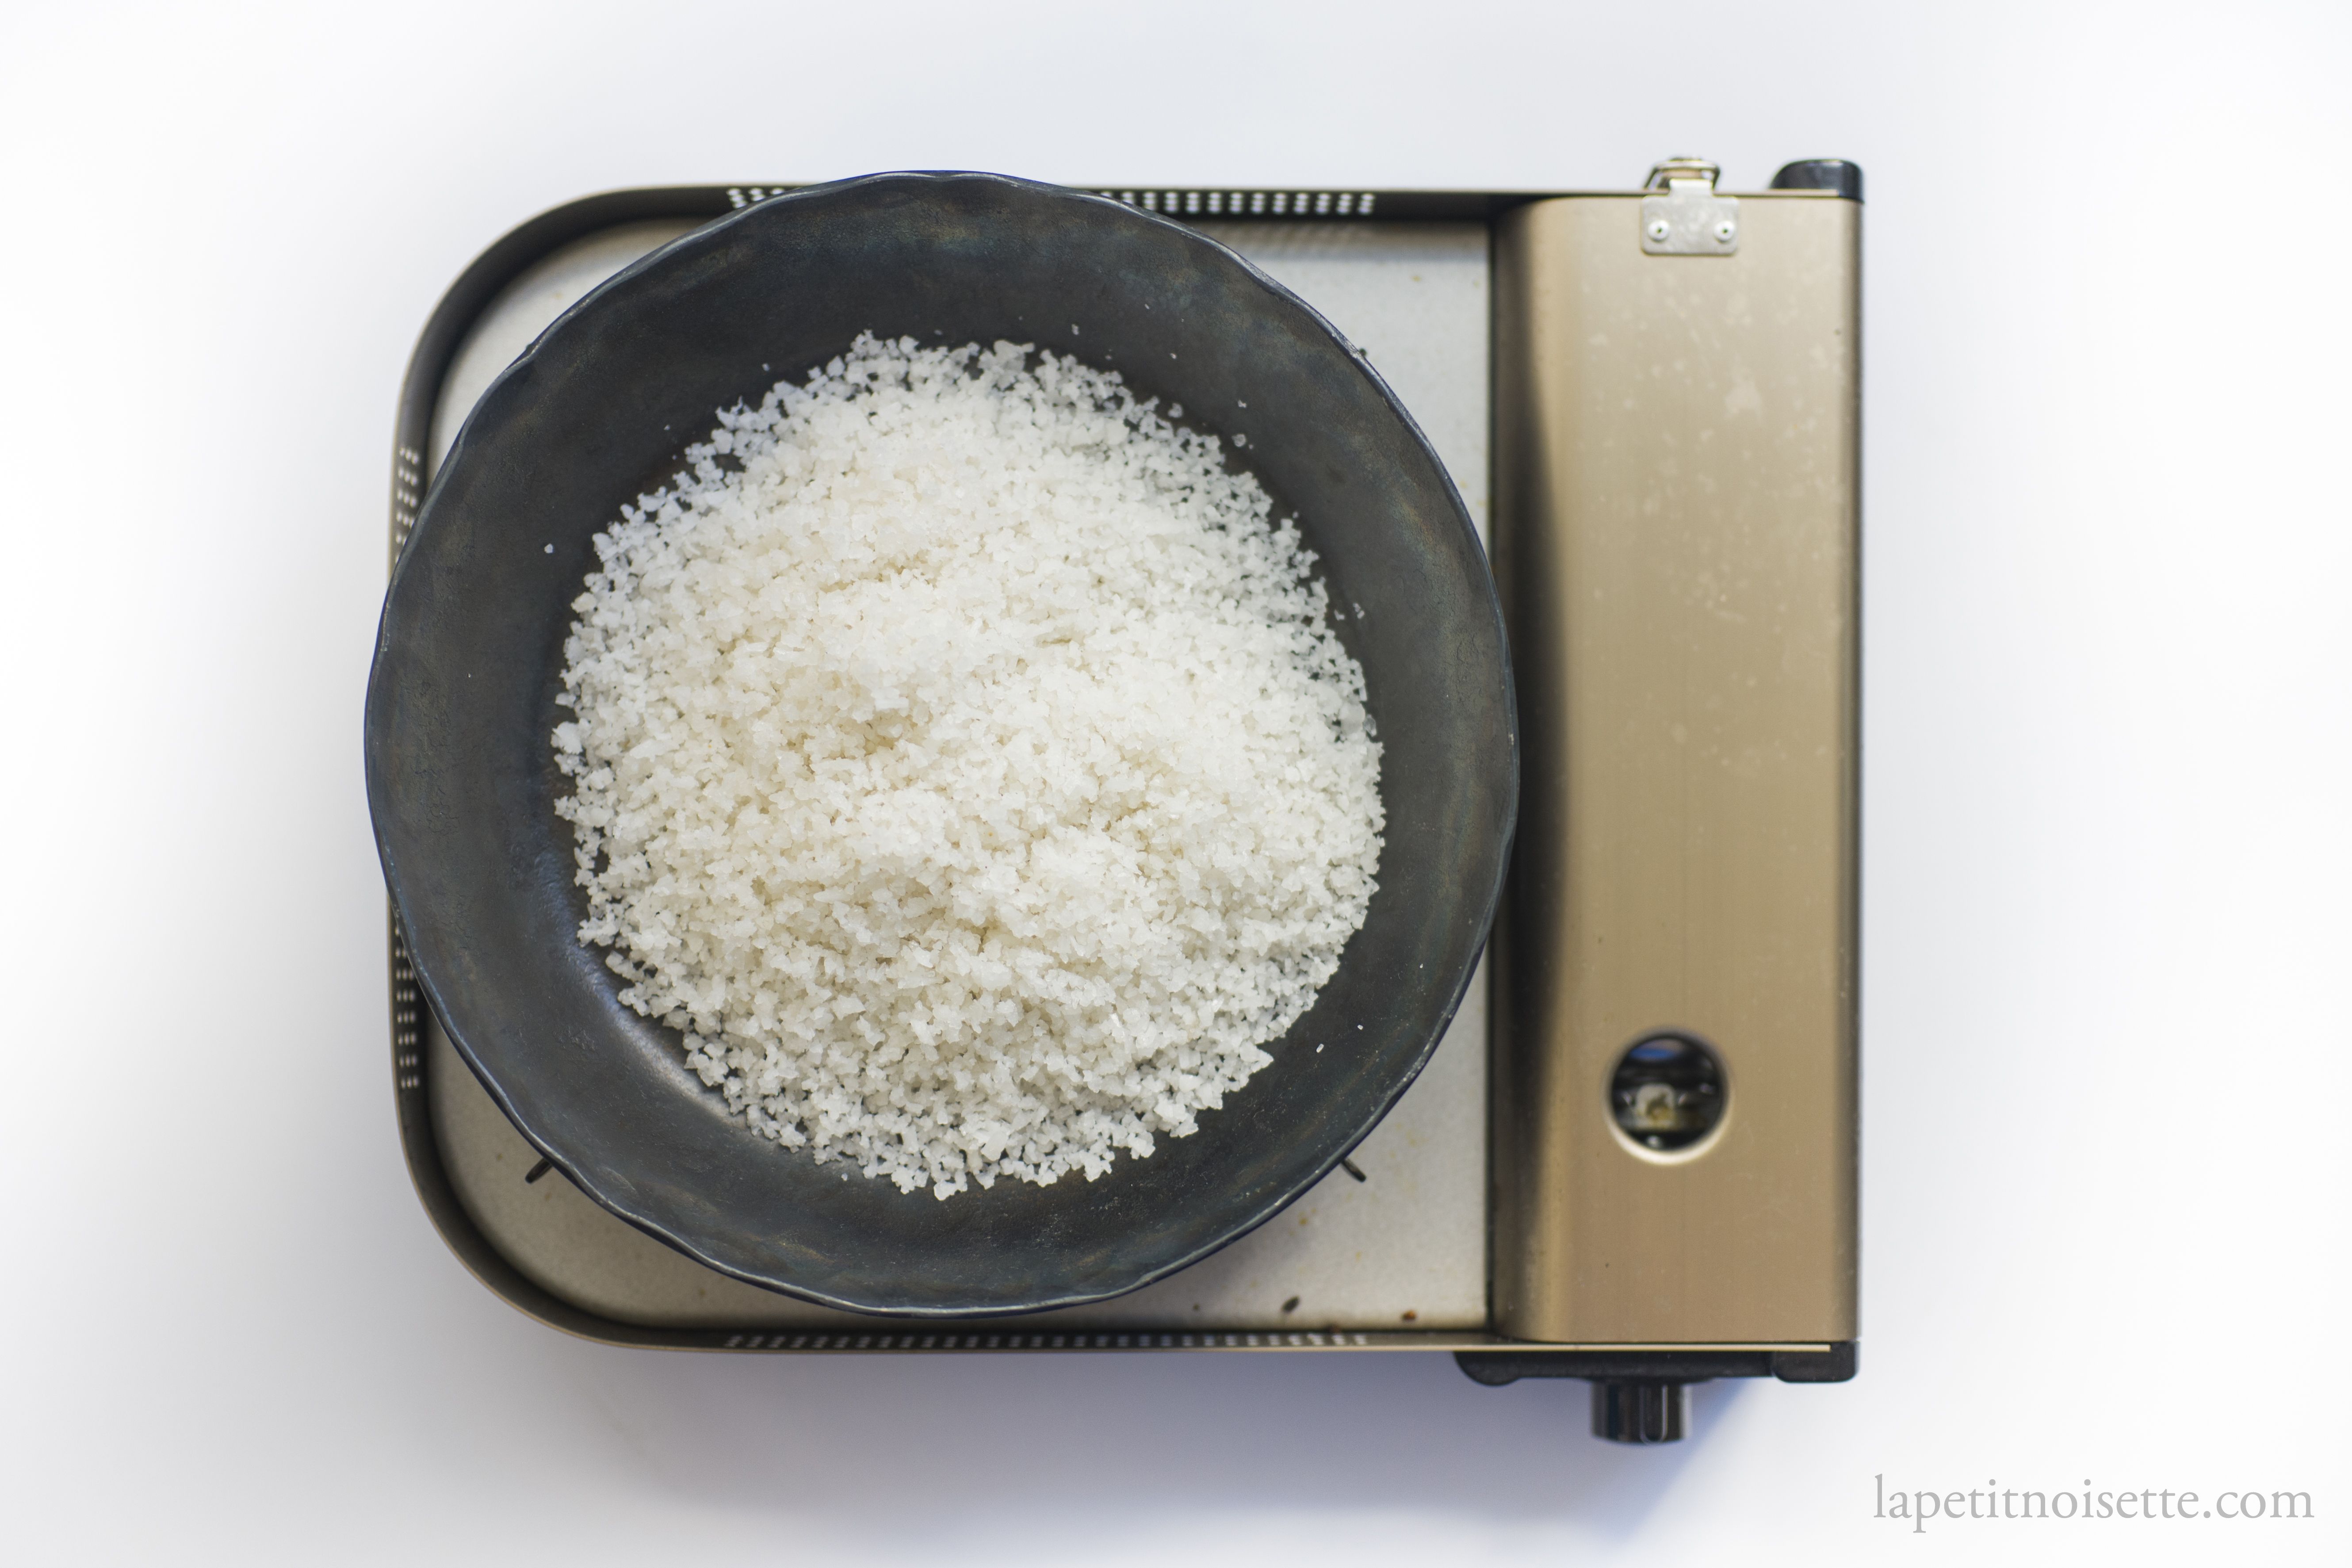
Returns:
(2106, 858)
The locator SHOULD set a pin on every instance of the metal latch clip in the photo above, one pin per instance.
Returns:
(1689, 219)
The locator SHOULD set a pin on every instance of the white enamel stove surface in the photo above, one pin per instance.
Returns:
(1405, 1247)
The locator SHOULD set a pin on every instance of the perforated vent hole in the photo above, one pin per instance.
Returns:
(407, 493)
(1249, 204)
(1302, 1339)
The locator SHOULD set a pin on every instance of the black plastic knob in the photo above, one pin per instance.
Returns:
(1641, 1412)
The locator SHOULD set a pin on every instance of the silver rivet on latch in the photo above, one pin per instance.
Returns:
(1660, 229)
(1726, 231)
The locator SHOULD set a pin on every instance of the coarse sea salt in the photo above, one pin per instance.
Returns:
(964, 763)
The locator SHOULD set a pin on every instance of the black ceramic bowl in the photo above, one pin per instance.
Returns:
(461, 777)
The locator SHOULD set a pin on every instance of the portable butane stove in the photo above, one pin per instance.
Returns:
(1632, 1157)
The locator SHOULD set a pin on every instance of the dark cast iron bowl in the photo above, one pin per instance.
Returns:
(462, 781)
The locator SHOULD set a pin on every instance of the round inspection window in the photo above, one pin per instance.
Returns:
(1667, 1093)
